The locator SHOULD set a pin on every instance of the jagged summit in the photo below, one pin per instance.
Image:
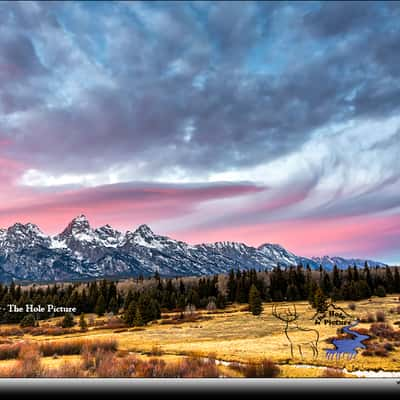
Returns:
(108, 230)
(144, 230)
(78, 228)
(28, 227)
(81, 218)
(80, 222)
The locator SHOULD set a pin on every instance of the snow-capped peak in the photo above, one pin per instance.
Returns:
(108, 236)
(25, 230)
(20, 236)
(145, 237)
(144, 231)
(78, 230)
(108, 230)
(80, 222)
(77, 225)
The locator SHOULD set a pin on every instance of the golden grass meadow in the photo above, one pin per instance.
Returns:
(228, 343)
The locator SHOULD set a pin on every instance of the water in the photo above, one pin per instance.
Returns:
(347, 347)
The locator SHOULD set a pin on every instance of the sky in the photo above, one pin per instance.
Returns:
(256, 122)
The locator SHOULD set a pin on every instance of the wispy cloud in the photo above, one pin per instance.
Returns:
(300, 98)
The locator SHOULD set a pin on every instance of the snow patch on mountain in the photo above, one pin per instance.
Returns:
(81, 252)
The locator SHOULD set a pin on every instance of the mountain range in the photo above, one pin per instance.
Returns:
(81, 252)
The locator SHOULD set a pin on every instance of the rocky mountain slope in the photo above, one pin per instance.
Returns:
(81, 252)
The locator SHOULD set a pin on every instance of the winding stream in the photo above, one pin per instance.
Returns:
(347, 347)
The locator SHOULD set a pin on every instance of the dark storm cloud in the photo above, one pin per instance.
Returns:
(340, 17)
(20, 73)
(164, 86)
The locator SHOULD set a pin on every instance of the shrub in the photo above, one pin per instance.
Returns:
(68, 321)
(367, 353)
(377, 350)
(381, 352)
(87, 357)
(107, 366)
(27, 321)
(266, 369)
(156, 368)
(153, 368)
(82, 323)
(12, 332)
(29, 362)
(73, 347)
(333, 373)
(388, 346)
(384, 330)
(65, 370)
(370, 318)
(352, 306)
(380, 316)
(9, 351)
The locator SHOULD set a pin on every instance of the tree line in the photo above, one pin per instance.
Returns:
(141, 303)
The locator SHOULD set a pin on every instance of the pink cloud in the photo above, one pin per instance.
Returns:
(124, 206)
(367, 236)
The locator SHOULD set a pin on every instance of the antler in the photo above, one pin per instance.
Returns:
(288, 316)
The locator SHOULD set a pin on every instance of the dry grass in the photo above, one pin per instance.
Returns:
(265, 369)
(232, 335)
(59, 348)
(333, 373)
(70, 347)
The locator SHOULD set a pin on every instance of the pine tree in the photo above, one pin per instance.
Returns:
(241, 294)
(389, 280)
(368, 277)
(380, 291)
(396, 282)
(221, 301)
(128, 299)
(231, 286)
(326, 284)
(355, 273)
(113, 306)
(336, 294)
(155, 312)
(28, 321)
(84, 301)
(312, 287)
(68, 321)
(129, 314)
(82, 322)
(255, 301)
(363, 289)
(138, 320)
(320, 301)
(100, 308)
(292, 293)
(336, 277)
